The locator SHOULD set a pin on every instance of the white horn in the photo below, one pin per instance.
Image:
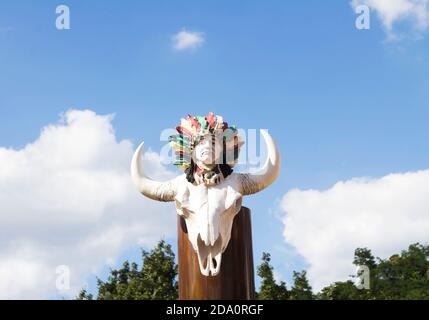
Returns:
(160, 191)
(253, 183)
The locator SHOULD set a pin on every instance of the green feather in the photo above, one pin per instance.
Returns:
(180, 137)
(203, 122)
(180, 141)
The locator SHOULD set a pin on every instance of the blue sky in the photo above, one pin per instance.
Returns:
(340, 102)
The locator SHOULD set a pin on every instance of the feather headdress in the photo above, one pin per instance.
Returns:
(191, 128)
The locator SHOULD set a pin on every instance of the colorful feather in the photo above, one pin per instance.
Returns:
(191, 127)
(180, 139)
(203, 122)
(184, 131)
(187, 125)
(194, 123)
(181, 143)
(211, 119)
(179, 148)
(219, 123)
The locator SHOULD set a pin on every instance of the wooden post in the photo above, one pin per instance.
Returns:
(236, 278)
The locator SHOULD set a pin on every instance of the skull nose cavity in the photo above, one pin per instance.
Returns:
(209, 257)
(214, 263)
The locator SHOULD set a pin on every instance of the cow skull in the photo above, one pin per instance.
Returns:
(208, 210)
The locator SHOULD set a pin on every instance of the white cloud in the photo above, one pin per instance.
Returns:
(67, 199)
(185, 40)
(385, 215)
(392, 12)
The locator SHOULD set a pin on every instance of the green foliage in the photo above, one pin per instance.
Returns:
(270, 290)
(156, 280)
(364, 257)
(341, 291)
(401, 277)
(301, 289)
(84, 295)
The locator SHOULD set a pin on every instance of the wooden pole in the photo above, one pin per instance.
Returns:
(236, 278)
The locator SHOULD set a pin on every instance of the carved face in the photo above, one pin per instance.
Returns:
(208, 150)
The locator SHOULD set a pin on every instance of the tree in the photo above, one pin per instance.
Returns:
(364, 257)
(156, 280)
(301, 289)
(347, 290)
(403, 276)
(270, 290)
(340, 291)
(85, 295)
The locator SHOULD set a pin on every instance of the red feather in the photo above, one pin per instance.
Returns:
(211, 119)
(194, 122)
(184, 131)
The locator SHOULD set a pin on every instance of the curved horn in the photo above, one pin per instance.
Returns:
(161, 191)
(253, 183)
